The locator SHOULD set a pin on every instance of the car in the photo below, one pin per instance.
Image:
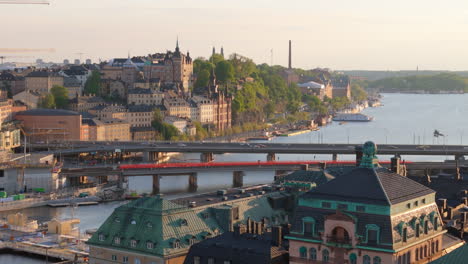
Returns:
(181, 145)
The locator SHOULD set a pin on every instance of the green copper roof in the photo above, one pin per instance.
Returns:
(169, 227)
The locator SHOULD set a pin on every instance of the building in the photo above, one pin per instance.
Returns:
(171, 67)
(109, 130)
(10, 136)
(243, 246)
(152, 229)
(179, 123)
(143, 133)
(201, 110)
(109, 112)
(11, 82)
(176, 105)
(222, 105)
(16, 179)
(79, 72)
(42, 81)
(84, 103)
(6, 110)
(125, 70)
(48, 125)
(313, 88)
(140, 115)
(114, 88)
(143, 96)
(370, 215)
(341, 86)
(73, 85)
(29, 98)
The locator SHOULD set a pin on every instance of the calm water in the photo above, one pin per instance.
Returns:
(403, 119)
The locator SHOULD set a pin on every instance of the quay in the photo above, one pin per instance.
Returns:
(46, 201)
(67, 256)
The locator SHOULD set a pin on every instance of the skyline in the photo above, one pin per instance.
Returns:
(331, 34)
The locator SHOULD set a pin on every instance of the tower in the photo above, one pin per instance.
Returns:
(290, 64)
(214, 51)
(222, 51)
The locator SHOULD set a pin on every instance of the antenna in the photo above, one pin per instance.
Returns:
(271, 57)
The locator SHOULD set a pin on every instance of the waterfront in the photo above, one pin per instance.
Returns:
(404, 118)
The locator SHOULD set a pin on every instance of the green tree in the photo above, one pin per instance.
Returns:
(92, 85)
(203, 78)
(60, 95)
(47, 101)
(216, 58)
(357, 93)
(224, 72)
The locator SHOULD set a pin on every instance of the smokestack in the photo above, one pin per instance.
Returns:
(290, 64)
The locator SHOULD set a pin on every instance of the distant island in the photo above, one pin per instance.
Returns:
(431, 84)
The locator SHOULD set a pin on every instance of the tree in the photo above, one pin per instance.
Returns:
(92, 85)
(60, 95)
(357, 93)
(158, 116)
(224, 72)
(216, 58)
(203, 78)
(47, 101)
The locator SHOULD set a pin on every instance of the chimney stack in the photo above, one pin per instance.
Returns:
(277, 236)
(290, 64)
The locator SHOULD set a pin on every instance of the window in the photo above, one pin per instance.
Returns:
(313, 254)
(117, 240)
(360, 208)
(423, 201)
(417, 231)
(133, 243)
(415, 203)
(125, 259)
(308, 229)
(416, 254)
(325, 256)
(377, 260)
(137, 261)
(196, 260)
(408, 205)
(326, 205)
(303, 252)
(405, 234)
(372, 237)
(343, 206)
(366, 260)
(227, 262)
(114, 258)
(436, 223)
(425, 251)
(149, 245)
(426, 227)
(352, 259)
(101, 237)
(211, 261)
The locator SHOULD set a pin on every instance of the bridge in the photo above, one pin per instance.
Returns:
(154, 150)
(237, 169)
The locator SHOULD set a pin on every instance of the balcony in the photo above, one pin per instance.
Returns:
(339, 240)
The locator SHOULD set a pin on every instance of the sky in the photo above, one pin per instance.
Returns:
(336, 34)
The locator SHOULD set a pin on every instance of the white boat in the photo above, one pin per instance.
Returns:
(342, 117)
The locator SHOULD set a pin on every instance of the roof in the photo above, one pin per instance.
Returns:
(141, 108)
(71, 82)
(42, 74)
(382, 186)
(48, 112)
(458, 256)
(311, 85)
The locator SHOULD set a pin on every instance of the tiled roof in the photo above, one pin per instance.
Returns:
(47, 112)
(371, 185)
(316, 176)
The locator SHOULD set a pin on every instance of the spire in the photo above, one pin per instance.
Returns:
(222, 51)
(177, 45)
(214, 51)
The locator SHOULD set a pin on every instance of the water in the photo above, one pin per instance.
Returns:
(404, 119)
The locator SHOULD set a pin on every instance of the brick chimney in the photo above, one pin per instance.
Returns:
(290, 53)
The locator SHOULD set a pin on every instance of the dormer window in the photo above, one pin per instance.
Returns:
(117, 220)
(149, 245)
(133, 243)
(101, 237)
(183, 222)
(149, 225)
(117, 240)
(133, 222)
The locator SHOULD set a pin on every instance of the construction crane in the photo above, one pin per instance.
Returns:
(24, 2)
(2, 58)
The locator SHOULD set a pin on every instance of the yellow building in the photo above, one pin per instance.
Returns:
(42, 81)
(110, 130)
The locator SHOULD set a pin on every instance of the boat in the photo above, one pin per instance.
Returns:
(342, 117)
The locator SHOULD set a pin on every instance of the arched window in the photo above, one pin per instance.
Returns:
(377, 260)
(436, 223)
(313, 254)
(417, 229)
(405, 234)
(426, 227)
(325, 255)
(421, 253)
(308, 226)
(303, 252)
(417, 254)
(352, 258)
(366, 260)
(425, 251)
(372, 232)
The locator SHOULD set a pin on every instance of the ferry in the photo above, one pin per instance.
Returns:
(352, 118)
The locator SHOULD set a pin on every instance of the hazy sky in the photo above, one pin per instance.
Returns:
(339, 34)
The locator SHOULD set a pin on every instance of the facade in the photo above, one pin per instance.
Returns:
(42, 81)
(124, 70)
(109, 130)
(73, 86)
(10, 136)
(155, 230)
(176, 105)
(34, 177)
(29, 98)
(47, 125)
(201, 110)
(5, 110)
(114, 88)
(142, 96)
(370, 215)
(179, 123)
(109, 112)
(143, 133)
(313, 88)
(341, 86)
(140, 115)
(171, 67)
(79, 72)
(12, 82)
(84, 103)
